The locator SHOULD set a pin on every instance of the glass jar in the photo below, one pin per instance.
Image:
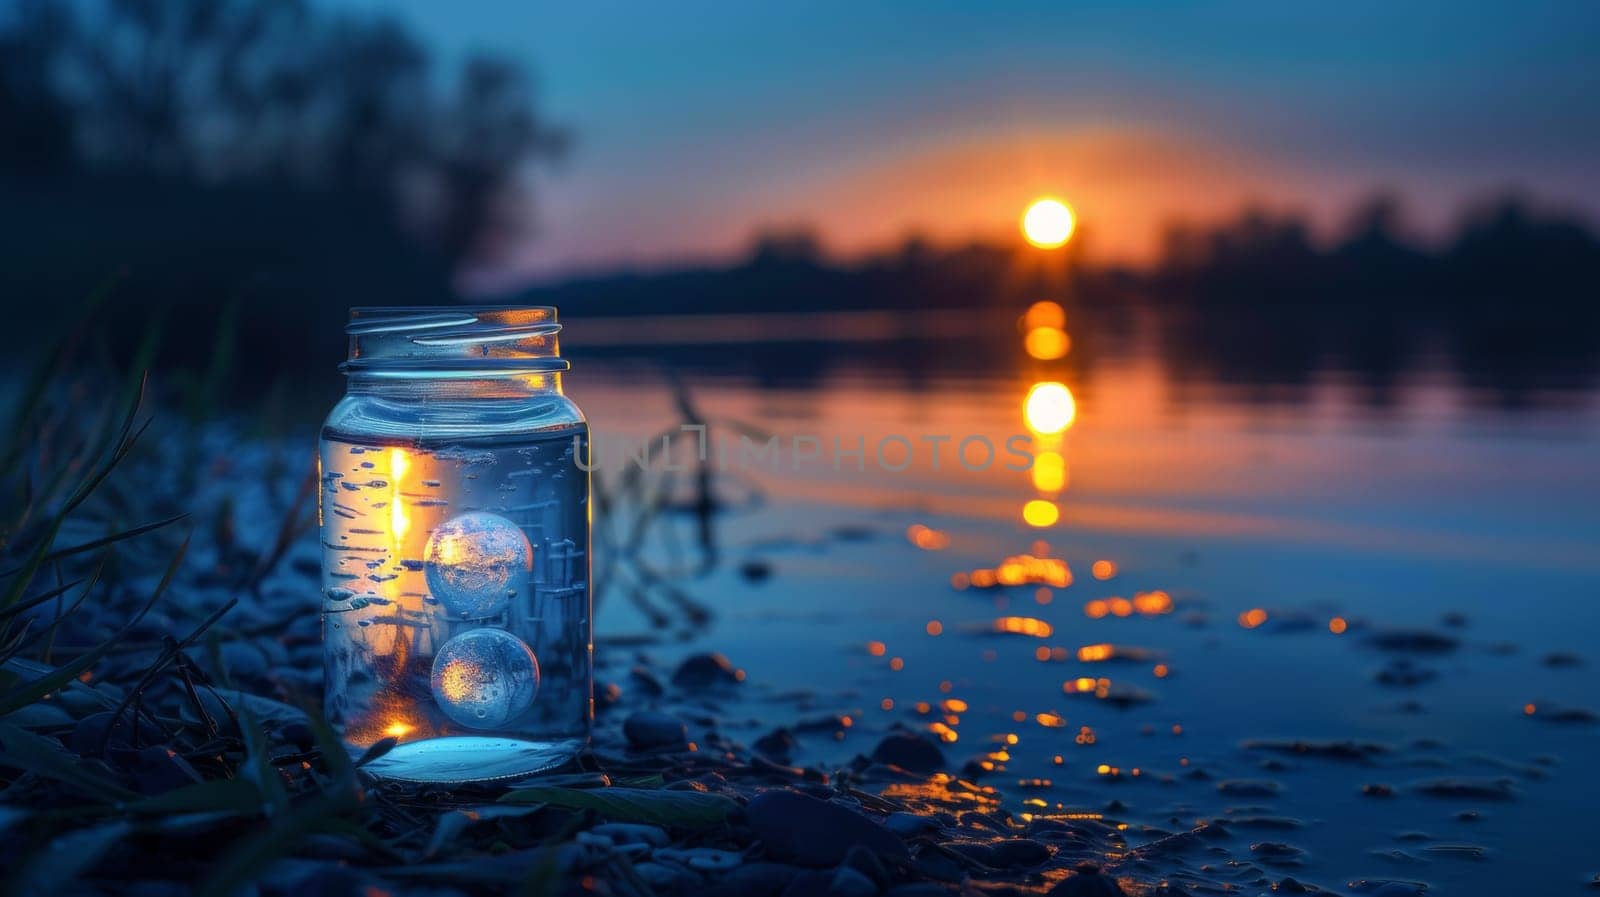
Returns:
(455, 546)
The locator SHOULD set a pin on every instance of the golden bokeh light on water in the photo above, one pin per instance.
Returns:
(1048, 223)
(1049, 407)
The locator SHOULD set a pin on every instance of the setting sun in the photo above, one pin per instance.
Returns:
(1048, 223)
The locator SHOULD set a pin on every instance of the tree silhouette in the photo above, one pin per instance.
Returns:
(261, 152)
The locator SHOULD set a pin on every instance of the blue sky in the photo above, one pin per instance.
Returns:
(698, 123)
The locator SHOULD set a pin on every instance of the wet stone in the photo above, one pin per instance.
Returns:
(800, 829)
(650, 729)
(646, 682)
(1414, 641)
(1248, 788)
(848, 882)
(1014, 853)
(867, 863)
(669, 879)
(908, 825)
(701, 859)
(755, 880)
(911, 752)
(706, 671)
(1467, 788)
(1403, 673)
(777, 744)
(1087, 881)
(1277, 853)
(918, 889)
(632, 833)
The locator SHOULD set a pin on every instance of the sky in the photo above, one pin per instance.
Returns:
(700, 124)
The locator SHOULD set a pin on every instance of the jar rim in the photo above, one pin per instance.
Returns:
(453, 340)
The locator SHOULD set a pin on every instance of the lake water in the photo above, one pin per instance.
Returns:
(1357, 626)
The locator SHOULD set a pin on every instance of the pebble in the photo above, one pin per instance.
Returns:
(810, 832)
(706, 671)
(1277, 853)
(633, 833)
(908, 825)
(756, 880)
(912, 752)
(1414, 641)
(668, 879)
(650, 729)
(701, 859)
(1248, 788)
(1088, 882)
(646, 681)
(1016, 853)
(918, 889)
(810, 883)
(848, 882)
(776, 744)
(1467, 788)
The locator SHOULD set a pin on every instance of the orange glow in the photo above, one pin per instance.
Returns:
(1103, 570)
(934, 627)
(1121, 607)
(1049, 407)
(1049, 472)
(399, 518)
(1044, 313)
(955, 705)
(887, 703)
(897, 664)
(1337, 625)
(1153, 603)
(1096, 653)
(1252, 618)
(927, 538)
(1023, 626)
(1161, 671)
(459, 680)
(1050, 720)
(1048, 223)
(1530, 709)
(876, 649)
(1041, 653)
(1041, 513)
(399, 729)
(1096, 609)
(1047, 343)
(1024, 569)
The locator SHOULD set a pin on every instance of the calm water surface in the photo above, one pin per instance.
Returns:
(1407, 590)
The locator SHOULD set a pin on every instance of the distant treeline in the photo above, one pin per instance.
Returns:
(1512, 296)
